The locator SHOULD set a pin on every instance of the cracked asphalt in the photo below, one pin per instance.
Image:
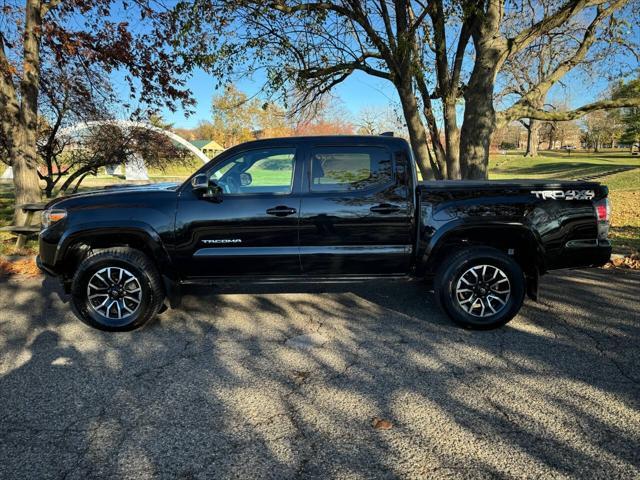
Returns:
(249, 383)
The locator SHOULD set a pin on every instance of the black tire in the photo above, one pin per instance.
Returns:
(448, 288)
(150, 297)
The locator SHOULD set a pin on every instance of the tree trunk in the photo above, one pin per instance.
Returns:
(439, 166)
(452, 138)
(417, 133)
(49, 185)
(533, 138)
(75, 175)
(77, 185)
(479, 115)
(25, 176)
(24, 151)
(552, 132)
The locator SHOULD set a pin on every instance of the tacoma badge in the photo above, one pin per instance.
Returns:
(223, 240)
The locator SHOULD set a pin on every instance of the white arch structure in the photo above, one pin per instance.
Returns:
(8, 174)
(131, 124)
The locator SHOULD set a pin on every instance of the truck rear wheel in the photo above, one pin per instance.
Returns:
(117, 289)
(480, 288)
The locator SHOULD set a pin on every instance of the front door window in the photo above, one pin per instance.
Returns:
(256, 171)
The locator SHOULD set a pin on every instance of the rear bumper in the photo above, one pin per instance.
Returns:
(584, 253)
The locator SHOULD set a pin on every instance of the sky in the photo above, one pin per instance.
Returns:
(357, 92)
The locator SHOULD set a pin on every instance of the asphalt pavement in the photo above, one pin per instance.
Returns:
(249, 383)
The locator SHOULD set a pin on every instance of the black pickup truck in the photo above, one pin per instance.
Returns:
(317, 209)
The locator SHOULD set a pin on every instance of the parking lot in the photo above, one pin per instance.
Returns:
(248, 383)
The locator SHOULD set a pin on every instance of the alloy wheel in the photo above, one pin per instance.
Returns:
(114, 293)
(483, 290)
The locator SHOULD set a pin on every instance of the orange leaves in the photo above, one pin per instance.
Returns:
(23, 266)
(381, 424)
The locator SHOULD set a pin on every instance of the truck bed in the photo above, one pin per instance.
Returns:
(489, 188)
(513, 183)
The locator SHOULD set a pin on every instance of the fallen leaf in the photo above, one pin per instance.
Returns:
(300, 376)
(381, 424)
(618, 262)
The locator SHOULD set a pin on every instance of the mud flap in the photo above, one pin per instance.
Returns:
(533, 284)
(173, 292)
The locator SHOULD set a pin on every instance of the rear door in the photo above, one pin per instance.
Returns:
(254, 230)
(355, 216)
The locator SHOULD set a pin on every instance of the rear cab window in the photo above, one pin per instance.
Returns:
(349, 168)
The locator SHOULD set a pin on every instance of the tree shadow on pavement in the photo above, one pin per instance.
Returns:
(217, 389)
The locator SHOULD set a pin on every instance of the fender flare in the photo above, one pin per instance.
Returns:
(139, 230)
(459, 227)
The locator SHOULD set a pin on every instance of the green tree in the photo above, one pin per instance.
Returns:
(236, 118)
(629, 116)
(233, 116)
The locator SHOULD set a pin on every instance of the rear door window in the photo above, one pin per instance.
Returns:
(344, 169)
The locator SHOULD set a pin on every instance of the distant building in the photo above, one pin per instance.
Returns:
(210, 148)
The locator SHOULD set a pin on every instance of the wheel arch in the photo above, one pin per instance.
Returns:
(516, 240)
(77, 242)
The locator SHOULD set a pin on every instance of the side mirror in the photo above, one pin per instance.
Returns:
(200, 183)
(207, 189)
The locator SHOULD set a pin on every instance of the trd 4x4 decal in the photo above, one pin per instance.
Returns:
(564, 194)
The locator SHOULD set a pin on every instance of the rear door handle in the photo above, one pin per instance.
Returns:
(281, 211)
(385, 208)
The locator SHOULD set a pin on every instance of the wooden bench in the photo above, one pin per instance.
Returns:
(27, 229)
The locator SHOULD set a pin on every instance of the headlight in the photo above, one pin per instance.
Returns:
(51, 216)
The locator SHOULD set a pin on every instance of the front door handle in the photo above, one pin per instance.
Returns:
(281, 211)
(385, 208)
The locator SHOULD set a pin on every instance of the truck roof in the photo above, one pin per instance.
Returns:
(326, 139)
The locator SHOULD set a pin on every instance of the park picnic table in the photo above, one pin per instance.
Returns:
(27, 229)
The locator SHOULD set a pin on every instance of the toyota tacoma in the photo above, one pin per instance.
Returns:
(320, 209)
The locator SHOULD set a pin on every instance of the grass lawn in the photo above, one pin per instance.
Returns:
(618, 170)
(561, 165)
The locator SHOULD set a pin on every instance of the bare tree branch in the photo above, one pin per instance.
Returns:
(524, 111)
(539, 89)
(570, 9)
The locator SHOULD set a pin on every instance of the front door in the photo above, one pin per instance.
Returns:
(356, 217)
(253, 230)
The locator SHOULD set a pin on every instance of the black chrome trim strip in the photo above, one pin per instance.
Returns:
(356, 250)
(298, 279)
(308, 250)
(245, 251)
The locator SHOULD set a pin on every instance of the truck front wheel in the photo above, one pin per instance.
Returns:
(117, 289)
(480, 288)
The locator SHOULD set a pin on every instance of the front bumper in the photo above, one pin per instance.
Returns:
(48, 242)
(45, 268)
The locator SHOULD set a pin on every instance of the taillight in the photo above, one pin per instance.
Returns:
(603, 213)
